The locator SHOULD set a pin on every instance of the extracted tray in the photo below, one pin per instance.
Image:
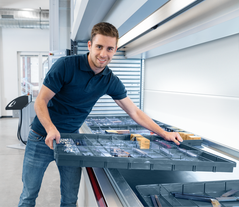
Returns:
(91, 150)
(112, 121)
(131, 129)
(211, 188)
(99, 125)
(138, 130)
(118, 121)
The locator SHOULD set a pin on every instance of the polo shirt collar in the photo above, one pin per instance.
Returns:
(86, 66)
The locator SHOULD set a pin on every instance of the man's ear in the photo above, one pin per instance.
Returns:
(89, 44)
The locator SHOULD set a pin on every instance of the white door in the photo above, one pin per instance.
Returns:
(31, 72)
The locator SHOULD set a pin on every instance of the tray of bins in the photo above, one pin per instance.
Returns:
(189, 138)
(127, 152)
(120, 130)
(108, 121)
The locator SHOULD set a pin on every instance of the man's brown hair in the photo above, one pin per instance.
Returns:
(104, 28)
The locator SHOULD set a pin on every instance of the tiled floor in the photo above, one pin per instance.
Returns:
(11, 169)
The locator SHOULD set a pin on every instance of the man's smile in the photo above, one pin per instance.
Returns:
(102, 61)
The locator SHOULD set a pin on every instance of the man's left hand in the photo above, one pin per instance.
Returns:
(173, 136)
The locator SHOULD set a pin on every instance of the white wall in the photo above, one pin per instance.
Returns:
(197, 89)
(1, 69)
(13, 41)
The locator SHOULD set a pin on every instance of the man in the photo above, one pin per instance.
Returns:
(71, 88)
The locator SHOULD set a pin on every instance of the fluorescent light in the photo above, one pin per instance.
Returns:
(162, 15)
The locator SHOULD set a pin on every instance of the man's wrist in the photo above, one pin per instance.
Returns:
(162, 133)
(50, 128)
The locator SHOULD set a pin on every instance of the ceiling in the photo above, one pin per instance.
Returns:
(132, 18)
(28, 14)
(24, 4)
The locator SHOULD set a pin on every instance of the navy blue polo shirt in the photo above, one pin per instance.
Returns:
(76, 89)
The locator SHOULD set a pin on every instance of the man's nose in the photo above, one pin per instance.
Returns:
(103, 53)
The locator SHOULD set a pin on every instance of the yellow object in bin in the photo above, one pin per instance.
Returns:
(194, 137)
(189, 136)
(133, 136)
(111, 131)
(144, 143)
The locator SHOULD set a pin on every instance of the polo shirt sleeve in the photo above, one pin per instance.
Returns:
(117, 89)
(54, 79)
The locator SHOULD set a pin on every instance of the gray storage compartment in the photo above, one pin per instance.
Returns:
(91, 150)
(210, 189)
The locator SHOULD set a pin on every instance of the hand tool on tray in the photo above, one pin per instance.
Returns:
(155, 201)
(229, 193)
(213, 200)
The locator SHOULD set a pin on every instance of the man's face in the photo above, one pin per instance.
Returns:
(102, 48)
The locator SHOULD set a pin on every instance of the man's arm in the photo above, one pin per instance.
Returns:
(40, 106)
(142, 119)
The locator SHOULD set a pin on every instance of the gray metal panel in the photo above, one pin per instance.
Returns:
(123, 190)
(128, 71)
(107, 189)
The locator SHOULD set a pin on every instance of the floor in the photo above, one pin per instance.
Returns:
(11, 169)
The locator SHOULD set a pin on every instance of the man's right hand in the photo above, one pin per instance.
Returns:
(51, 135)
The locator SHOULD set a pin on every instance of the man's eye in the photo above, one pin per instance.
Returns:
(99, 47)
(110, 49)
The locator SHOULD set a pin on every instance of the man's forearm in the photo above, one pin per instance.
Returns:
(43, 115)
(44, 96)
(141, 118)
(144, 120)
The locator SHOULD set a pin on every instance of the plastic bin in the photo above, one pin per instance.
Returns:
(211, 188)
(91, 150)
